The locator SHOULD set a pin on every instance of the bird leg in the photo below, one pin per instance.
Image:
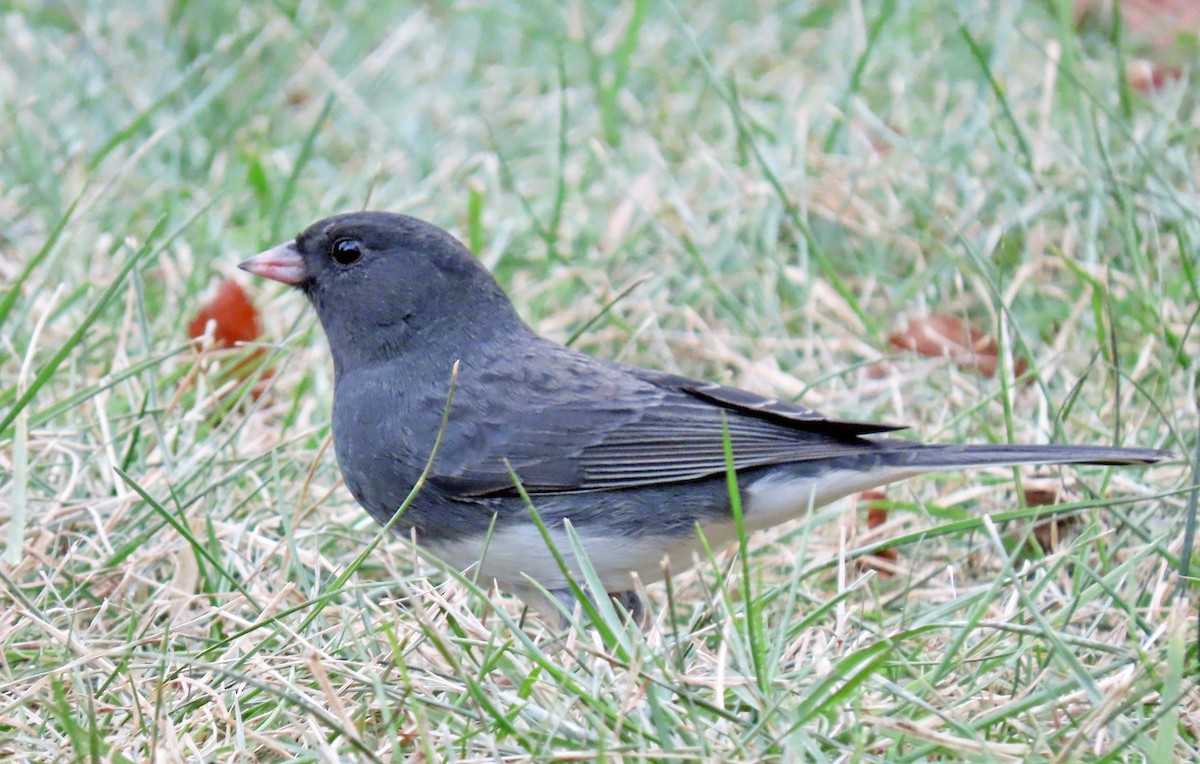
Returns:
(630, 601)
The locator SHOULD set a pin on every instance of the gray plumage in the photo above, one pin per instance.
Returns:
(632, 458)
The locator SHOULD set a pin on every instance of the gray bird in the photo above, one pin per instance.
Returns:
(632, 458)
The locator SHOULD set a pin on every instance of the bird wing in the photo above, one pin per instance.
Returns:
(615, 427)
(774, 410)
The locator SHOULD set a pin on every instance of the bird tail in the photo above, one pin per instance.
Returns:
(933, 457)
(793, 489)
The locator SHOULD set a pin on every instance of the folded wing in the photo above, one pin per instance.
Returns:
(631, 427)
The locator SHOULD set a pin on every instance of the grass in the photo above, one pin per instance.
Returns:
(756, 197)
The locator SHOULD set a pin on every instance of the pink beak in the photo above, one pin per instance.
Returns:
(281, 263)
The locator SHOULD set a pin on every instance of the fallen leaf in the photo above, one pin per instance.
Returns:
(883, 560)
(946, 336)
(1161, 34)
(1041, 495)
(1144, 75)
(876, 514)
(1050, 532)
(879, 370)
(1161, 23)
(229, 318)
(234, 317)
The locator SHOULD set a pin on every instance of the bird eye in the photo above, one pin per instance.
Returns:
(346, 251)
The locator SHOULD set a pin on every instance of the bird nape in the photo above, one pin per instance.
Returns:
(632, 460)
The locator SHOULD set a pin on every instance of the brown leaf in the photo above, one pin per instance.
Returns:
(879, 370)
(876, 515)
(1041, 495)
(1050, 532)
(963, 344)
(883, 560)
(1161, 23)
(235, 318)
(1145, 75)
(1161, 34)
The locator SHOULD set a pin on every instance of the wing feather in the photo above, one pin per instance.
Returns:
(622, 427)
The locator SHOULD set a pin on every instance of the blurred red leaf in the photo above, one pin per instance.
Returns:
(942, 335)
(1041, 496)
(877, 515)
(1050, 532)
(879, 370)
(1145, 75)
(1163, 33)
(1161, 23)
(235, 318)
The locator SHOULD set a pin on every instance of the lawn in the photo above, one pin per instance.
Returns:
(762, 196)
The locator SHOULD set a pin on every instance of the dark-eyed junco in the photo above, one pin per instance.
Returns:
(632, 458)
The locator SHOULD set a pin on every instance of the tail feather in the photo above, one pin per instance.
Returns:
(961, 456)
(787, 491)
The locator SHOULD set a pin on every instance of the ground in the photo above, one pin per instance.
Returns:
(765, 195)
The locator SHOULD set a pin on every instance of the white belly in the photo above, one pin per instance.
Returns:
(516, 552)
